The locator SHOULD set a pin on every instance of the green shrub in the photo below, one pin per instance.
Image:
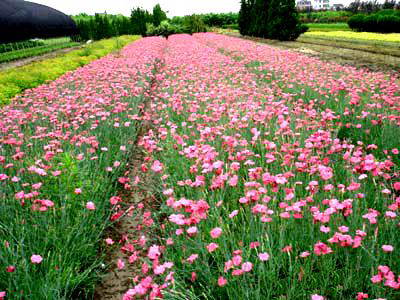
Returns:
(384, 22)
(165, 29)
(388, 23)
(356, 22)
(371, 23)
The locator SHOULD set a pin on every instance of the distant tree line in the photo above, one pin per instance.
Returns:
(273, 19)
(368, 7)
(220, 20)
(143, 22)
(102, 26)
(188, 24)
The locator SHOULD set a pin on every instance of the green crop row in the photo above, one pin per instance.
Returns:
(15, 81)
(30, 52)
(328, 27)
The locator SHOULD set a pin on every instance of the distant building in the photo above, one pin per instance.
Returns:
(338, 6)
(314, 4)
(304, 5)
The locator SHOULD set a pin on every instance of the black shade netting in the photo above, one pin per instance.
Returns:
(22, 20)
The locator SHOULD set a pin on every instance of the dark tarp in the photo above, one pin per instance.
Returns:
(22, 20)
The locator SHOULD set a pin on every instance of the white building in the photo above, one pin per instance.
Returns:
(314, 4)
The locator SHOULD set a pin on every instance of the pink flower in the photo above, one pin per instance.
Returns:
(109, 241)
(192, 230)
(120, 264)
(234, 213)
(324, 229)
(317, 297)
(2, 295)
(320, 249)
(78, 191)
(154, 252)
(36, 259)
(377, 278)
(212, 247)
(287, 249)
(387, 248)
(304, 254)
(222, 281)
(263, 256)
(10, 269)
(247, 266)
(237, 272)
(396, 186)
(90, 206)
(237, 260)
(361, 296)
(216, 232)
(159, 270)
(234, 180)
(157, 166)
(192, 258)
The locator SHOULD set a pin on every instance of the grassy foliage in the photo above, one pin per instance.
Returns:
(328, 27)
(15, 81)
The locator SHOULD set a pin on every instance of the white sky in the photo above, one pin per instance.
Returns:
(172, 7)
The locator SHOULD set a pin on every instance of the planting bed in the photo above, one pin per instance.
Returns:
(273, 176)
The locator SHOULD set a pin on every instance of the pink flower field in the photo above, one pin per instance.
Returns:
(277, 176)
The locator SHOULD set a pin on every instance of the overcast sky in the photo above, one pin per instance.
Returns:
(173, 7)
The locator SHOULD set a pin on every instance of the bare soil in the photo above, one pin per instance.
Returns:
(118, 281)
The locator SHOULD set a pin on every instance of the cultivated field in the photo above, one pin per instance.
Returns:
(274, 176)
(19, 50)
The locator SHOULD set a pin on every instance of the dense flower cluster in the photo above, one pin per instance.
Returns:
(279, 174)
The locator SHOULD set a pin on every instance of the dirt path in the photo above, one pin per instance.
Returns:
(118, 280)
(129, 231)
(28, 60)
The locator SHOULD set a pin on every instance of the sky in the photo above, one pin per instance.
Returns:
(172, 7)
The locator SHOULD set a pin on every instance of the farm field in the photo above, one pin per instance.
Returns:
(385, 44)
(368, 36)
(371, 54)
(275, 176)
(19, 50)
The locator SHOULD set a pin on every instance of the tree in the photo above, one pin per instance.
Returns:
(139, 18)
(158, 15)
(274, 19)
(244, 18)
